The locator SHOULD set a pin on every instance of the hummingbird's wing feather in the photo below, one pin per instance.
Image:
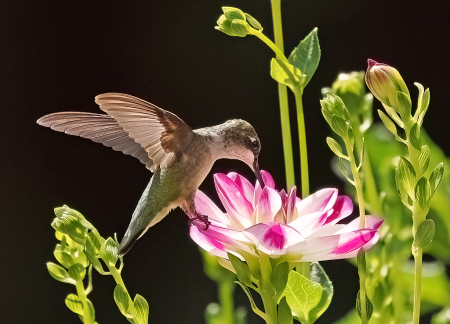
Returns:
(98, 128)
(161, 133)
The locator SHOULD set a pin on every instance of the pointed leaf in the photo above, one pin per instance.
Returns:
(407, 175)
(336, 147)
(253, 22)
(109, 252)
(302, 295)
(403, 105)
(140, 310)
(395, 117)
(64, 258)
(344, 171)
(414, 137)
(284, 312)
(327, 115)
(339, 126)
(242, 270)
(74, 304)
(400, 188)
(369, 307)
(122, 299)
(306, 55)
(423, 194)
(285, 73)
(59, 273)
(319, 275)
(424, 160)
(436, 176)
(388, 122)
(279, 277)
(425, 234)
(250, 298)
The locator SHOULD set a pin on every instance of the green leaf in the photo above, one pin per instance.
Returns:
(285, 73)
(284, 312)
(95, 241)
(71, 226)
(344, 171)
(327, 115)
(336, 148)
(109, 252)
(424, 160)
(64, 258)
(232, 13)
(250, 298)
(404, 105)
(425, 234)
(423, 194)
(77, 272)
(388, 122)
(140, 310)
(306, 55)
(414, 137)
(369, 307)
(59, 273)
(340, 126)
(302, 295)
(253, 22)
(91, 309)
(400, 189)
(242, 270)
(393, 114)
(436, 176)
(96, 264)
(279, 277)
(122, 300)
(407, 175)
(319, 276)
(74, 304)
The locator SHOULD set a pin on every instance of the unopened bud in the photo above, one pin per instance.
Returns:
(384, 82)
(233, 13)
(233, 22)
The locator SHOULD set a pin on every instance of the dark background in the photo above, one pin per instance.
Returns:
(58, 55)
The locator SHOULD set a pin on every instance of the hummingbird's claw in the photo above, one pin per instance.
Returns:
(201, 218)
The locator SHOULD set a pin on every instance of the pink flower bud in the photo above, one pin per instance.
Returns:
(384, 82)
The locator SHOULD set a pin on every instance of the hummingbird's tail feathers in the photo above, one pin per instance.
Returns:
(128, 241)
(98, 128)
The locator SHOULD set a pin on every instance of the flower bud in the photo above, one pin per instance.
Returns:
(233, 13)
(384, 82)
(233, 22)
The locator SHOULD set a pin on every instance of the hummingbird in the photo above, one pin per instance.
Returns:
(180, 157)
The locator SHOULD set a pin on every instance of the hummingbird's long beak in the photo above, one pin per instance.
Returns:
(257, 173)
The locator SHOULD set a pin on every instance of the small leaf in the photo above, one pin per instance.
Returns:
(407, 175)
(306, 55)
(59, 273)
(239, 28)
(64, 258)
(327, 115)
(414, 137)
(425, 234)
(339, 126)
(436, 176)
(344, 171)
(109, 252)
(242, 270)
(253, 22)
(96, 263)
(388, 122)
(285, 73)
(141, 310)
(77, 272)
(95, 242)
(74, 304)
(404, 105)
(302, 295)
(369, 307)
(250, 298)
(319, 275)
(336, 147)
(423, 194)
(122, 300)
(284, 312)
(424, 160)
(279, 277)
(393, 114)
(400, 188)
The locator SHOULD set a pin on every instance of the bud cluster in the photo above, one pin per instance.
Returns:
(234, 22)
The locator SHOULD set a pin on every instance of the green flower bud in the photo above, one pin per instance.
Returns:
(224, 26)
(69, 223)
(233, 13)
(239, 28)
(384, 82)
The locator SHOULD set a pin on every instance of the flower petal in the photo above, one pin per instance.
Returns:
(208, 244)
(308, 224)
(352, 241)
(371, 222)
(342, 208)
(245, 185)
(291, 210)
(354, 253)
(206, 206)
(268, 206)
(268, 182)
(239, 209)
(273, 238)
(321, 200)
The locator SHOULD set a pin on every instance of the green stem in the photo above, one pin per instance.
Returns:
(82, 295)
(302, 140)
(362, 224)
(267, 291)
(118, 278)
(304, 268)
(283, 98)
(226, 290)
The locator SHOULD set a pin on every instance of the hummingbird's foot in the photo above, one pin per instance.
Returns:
(201, 218)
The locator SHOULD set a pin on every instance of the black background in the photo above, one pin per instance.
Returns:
(58, 55)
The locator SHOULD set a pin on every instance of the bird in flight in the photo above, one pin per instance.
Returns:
(180, 157)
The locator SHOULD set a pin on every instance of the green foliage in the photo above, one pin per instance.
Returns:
(141, 310)
(74, 304)
(286, 74)
(306, 56)
(242, 270)
(425, 234)
(318, 275)
(279, 277)
(284, 312)
(369, 306)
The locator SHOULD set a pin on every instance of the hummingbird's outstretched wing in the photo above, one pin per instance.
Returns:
(98, 128)
(160, 133)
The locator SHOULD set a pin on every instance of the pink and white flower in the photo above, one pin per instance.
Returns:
(280, 224)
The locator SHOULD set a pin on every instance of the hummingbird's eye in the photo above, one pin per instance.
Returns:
(255, 145)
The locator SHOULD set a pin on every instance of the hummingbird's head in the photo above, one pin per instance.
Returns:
(242, 143)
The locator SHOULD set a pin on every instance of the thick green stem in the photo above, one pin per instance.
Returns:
(302, 140)
(267, 291)
(362, 215)
(283, 97)
(82, 295)
(226, 290)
